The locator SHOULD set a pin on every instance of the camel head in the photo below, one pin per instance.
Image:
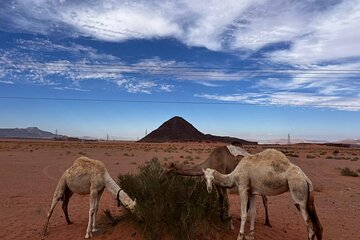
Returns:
(132, 206)
(209, 177)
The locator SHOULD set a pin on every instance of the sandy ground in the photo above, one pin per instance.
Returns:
(29, 171)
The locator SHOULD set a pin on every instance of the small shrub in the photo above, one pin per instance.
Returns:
(348, 172)
(310, 156)
(292, 155)
(176, 206)
(354, 159)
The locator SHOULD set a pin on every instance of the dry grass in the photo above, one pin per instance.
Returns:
(173, 206)
(348, 172)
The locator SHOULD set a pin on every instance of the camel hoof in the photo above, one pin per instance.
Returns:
(268, 224)
(240, 236)
(249, 237)
(88, 235)
(231, 225)
(69, 222)
(94, 230)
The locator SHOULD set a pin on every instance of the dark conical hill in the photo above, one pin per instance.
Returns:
(178, 129)
(175, 129)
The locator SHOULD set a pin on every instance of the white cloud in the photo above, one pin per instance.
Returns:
(318, 30)
(23, 64)
(329, 36)
(6, 82)
(290, 99)
(330, 80)
(148, 87)
(71, 88)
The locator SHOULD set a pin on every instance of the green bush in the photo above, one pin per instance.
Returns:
(173, 206)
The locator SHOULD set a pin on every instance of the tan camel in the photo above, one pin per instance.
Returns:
(223, 159)
(269, 173)
(87, 176)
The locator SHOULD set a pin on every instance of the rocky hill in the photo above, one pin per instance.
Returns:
(30, 132)
(178, 129)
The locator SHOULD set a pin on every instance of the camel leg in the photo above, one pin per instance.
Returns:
(67, 195)
(299, 193)
(243, 193)
(221, 200)
(224, 206)
(267, 220)
(53, 204)
(252, 212)
(227, 207)
(58, 195)
(94, 229)
(93, 197)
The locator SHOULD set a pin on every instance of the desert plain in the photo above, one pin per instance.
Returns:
(30, 169)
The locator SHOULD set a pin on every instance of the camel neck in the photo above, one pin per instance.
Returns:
(224, 180)
(111, 185)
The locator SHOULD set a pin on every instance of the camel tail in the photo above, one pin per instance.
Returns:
(313, 215)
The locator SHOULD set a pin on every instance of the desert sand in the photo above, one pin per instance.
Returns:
(30, 169)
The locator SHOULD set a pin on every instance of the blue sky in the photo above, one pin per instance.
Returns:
(251, 69)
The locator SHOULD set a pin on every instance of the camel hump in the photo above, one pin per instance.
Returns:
(274, 155)
(86, 163)
(237, 151)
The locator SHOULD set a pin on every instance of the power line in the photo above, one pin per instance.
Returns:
(210, 75)
(168, 102)
(171, 67)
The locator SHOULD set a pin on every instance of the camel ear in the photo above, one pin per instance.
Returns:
(203, 170)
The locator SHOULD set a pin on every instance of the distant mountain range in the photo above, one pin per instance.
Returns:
(30, 132)
(298, 140)
(178, 129)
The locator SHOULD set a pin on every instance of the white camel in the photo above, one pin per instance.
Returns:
(223, 159)
(269, 173)
(87, 176)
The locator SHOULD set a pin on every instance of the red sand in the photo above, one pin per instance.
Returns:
(29, 171)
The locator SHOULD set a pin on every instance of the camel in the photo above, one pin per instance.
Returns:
(224, 159)
(87, 176)
(269, 173)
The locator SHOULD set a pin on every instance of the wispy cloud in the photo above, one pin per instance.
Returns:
(317, 30)
(335, 79)
(77, 63)
(136, 86)
(6, 82)
(290, 99)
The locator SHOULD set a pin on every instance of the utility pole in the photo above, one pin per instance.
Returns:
(145, 132)
(107, 137)
(288, 141)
